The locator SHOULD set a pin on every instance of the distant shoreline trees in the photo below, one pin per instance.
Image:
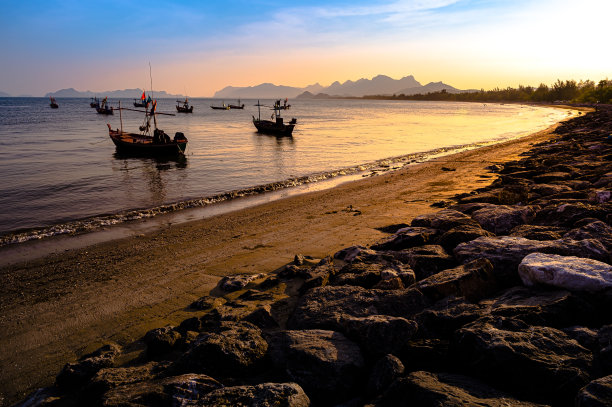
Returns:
(569, 91)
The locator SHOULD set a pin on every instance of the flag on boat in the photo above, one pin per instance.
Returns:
(143, 97)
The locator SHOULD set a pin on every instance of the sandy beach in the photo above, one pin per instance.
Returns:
(54, 309)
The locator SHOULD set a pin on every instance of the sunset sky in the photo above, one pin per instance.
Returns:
(199, 47)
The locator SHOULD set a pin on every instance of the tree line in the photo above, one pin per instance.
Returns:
(569, 91)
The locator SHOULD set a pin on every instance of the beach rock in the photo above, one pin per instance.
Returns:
(500, 219)
(598, 197)
(207, 302)
(318, 276)
(549, 189)
(539, 363)
(109, 378)
(551, 176)
(237, 281)
(161, 340)
(426, 353)
(597, 230)
(443, 220)
(328, 307)
(567, 272)
(534, 232)
(423, 388)
(586, 337)
(506, 252)
(175, 390)
(555, 308)
(262, 317)
(406, 238)
(366, 278)
(75, 375)
(598, 393)
(567, 214)
(265, 394)
(446, 316)
(327, 365)
(490, 197)
(234, 348)
(379, 334)
(385, 371)
(473, 280)
(426, 260)
(349, 254)
(464, 233)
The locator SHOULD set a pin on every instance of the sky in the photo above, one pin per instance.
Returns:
(199, 47)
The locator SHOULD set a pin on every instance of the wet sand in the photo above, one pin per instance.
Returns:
(56, 308)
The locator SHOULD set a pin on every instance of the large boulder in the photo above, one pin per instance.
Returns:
(380, 334)
(74, 375)
(443, 220)
(109, 378)
(423, 388)
(598, 393)
(567, 272)
(473, 280)
(566, 214)
(169, 391)
(459, 234)
(426, 260)
(329, 307)
(535, 232)
(446, 316)
(161, 340)
(500, 219)
(407, 237)
(265, 394)
(535, 362)
(234, 348)
(598, 230)
(327, 365)
(506, 252)
(237, 282)
(385, 371)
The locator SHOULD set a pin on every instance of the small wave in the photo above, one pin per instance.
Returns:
(97, 222)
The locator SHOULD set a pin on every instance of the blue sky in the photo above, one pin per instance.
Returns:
(205, 46)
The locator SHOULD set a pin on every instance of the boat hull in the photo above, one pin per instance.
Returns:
(184, 109)
(269, 127)
(104, 111)
(143, 145)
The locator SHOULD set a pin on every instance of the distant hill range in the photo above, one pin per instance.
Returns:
(4, 95)
(379, 85)
(125, 93)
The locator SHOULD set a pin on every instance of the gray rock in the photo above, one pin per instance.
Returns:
(460, 234)
(539, 363)
(535, 232)
(108, 378)
(380, 334)
(549, 189)
(566, 214)
(349, 254)
(473, 280)
(567, 272)
(443, 220)
(406, 238)
(423, 388)
(500, 219)
(326, 364)
(426, 260)
(265, 394)
(551, 176)
(237, 281)
(161, 340)
(75, 375)
(262, 317)
(598, 393)
(234, 348)
(385, 371)
(446, 316)
(597, 230)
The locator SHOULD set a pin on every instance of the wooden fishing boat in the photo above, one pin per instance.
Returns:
(53, 103)
(104, 107)
(151, 141)
(276, 127)
(185, 108)
(143, 102)
(222, 107)
(94, 102)
(238, 106)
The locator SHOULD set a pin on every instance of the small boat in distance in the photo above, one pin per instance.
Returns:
(284, 106)
(143, 102)
(222, 107)
(151, 141)
(104, 107)
(94, 102)
(53, 103)
(238, 106)
(185, 108)
(277, 127)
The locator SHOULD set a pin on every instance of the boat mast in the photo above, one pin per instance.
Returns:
(120, 117)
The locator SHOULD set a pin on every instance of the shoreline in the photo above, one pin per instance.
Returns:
(56, 308)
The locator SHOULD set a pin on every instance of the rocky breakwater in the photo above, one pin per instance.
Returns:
(502, 298)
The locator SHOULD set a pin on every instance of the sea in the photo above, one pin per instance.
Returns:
(60, 173)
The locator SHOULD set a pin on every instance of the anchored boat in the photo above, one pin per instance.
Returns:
(276, 127)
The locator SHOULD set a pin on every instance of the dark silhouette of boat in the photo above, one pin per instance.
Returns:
(185, 108)
(143, 101)
(104, 108)
(276, 127)
(238, 106)
(222, 107)
(94, 102)
(53, 103)
(151, 141)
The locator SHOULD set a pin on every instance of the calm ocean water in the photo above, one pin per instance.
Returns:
(60, 172)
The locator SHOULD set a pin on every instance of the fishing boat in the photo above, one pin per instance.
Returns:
(238, 106)
(150, 141)
(53, 103)
(185, 108)
(94, 102)
(222, 107)
(143, 102)
(284, 106)
(104, 107)
(276, 127)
